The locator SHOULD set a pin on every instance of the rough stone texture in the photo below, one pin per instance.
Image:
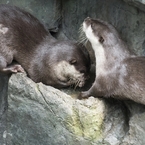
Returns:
(140, 4)
(136, 132)
(39, 114)
(3, 105)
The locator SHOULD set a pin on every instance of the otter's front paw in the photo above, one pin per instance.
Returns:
(17, 68)
(13, 69)
(83, 95)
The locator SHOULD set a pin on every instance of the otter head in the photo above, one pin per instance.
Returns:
(105, 41)
(100, 33)
(73, 64)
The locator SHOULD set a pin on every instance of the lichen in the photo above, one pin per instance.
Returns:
(86, 122)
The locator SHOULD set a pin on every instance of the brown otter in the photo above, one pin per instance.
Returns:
(119, 72)
(24, 39)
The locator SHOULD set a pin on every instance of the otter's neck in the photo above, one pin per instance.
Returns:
(100, 57)
(109, 57)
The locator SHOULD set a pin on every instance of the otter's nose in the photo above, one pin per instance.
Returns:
(87, 19)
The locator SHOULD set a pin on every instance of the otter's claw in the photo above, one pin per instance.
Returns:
(83, 95)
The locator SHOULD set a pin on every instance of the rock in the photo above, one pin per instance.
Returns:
(116, 122)
(136, 132)
(3, 106)
(140, 4)
(39, 114)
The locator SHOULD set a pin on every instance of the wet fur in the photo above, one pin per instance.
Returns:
(119, 72)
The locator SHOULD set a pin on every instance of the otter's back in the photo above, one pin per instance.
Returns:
(24, 26)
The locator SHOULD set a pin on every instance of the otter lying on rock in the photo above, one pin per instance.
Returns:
(25, 40)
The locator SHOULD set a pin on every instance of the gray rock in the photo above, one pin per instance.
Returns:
(116, 122)
(140, 4)
(39, 114)
(136, 132)
(3, 106)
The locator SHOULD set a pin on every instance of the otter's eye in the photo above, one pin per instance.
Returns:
(92, 25)
(73, 61)
(101, 39)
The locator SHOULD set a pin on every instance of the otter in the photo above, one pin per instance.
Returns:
(119, 72)
(24, 39)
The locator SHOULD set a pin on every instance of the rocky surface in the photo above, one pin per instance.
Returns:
(3, 105)
(39, 114)
(35, 114)
(136, 132)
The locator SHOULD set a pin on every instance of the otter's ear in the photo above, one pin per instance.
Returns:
(101, 39)
(73, 61)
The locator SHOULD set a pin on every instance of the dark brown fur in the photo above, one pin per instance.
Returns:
(32, 46)
(123, 74)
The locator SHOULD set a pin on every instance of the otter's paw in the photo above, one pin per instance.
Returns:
(83, 95)
(19, 68)
(13, 69)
